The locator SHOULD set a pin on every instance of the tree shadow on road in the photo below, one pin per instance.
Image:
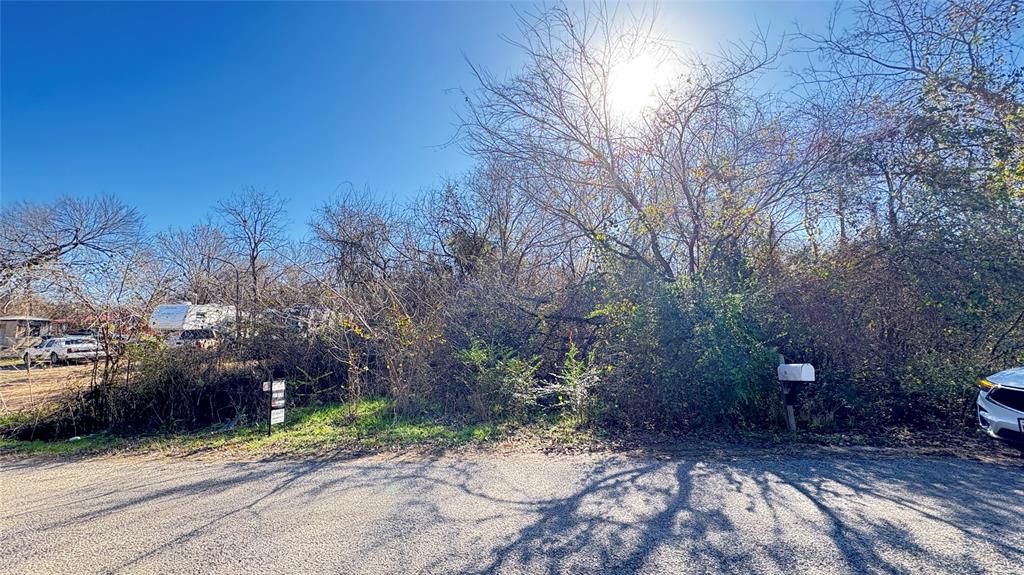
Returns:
(858, 516)
(623, 515)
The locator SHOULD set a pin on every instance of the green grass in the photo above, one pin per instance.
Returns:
(370, 424)
(91, 444)
(367, 426)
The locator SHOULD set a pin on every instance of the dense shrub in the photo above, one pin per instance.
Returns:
(498, 383)
(897, 342)
(165, 390)
(182, 390)
(575, 384)
(314, 361)
(684, 355)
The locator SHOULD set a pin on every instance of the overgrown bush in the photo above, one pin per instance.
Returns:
(898, 342)
(499, 384)
(183, 390)
(317, 362)
(574, 385)
(684, 355)
(166, 390)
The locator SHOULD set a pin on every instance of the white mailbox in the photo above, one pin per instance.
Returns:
(796, 372)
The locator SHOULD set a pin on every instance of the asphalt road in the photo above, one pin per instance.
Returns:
(513, 514)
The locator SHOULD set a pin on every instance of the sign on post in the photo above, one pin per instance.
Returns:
(275, 402)
(273, 386)
(276, 416)
(276, 399)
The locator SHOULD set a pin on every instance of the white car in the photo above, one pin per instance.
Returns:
(66, 349)
(1001, 405)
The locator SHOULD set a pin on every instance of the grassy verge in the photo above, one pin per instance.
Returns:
(370, 426)
(92, 444)
(367, 426)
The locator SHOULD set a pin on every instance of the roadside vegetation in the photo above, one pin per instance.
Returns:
(344, 428)
(606, 267)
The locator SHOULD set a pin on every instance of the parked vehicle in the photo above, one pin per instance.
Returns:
(63, 349)
(200, 338)
(168, 318)
(1001, 405)
(192, 325)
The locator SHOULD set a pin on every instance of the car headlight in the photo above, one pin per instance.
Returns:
(985, 384)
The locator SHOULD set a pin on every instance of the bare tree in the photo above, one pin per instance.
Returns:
(254, 225)
(115, 298)
(925, 102)
(667, 186)
(199, 255)
(486, 221)
(40, 240)
(354, 236)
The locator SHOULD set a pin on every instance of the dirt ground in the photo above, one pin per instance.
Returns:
(22, 389)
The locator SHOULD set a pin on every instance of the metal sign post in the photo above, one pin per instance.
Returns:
(275, 403)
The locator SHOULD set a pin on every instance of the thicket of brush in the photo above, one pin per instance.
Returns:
(626, 271)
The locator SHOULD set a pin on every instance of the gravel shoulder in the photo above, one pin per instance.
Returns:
(515, 513)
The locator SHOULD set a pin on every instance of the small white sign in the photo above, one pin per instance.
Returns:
(276, 416)
(273, 385)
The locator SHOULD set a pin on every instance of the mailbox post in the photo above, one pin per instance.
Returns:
(791, 375)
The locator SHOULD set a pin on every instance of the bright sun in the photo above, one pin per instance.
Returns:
(633, 86)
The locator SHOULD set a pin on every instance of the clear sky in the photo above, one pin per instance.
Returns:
(171, 106)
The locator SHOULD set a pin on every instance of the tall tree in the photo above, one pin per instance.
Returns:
(46, 241)
(200, 256)
(254, 225)
(668, 180)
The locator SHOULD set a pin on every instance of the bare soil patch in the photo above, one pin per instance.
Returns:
(22, 389)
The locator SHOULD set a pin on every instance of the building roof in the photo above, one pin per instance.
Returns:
(23, 318)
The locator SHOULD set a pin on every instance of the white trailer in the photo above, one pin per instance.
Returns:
(191, 324)
(186, 316)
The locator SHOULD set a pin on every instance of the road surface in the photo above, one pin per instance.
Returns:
(513, 514)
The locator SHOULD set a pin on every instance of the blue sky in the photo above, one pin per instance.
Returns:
(171, 106)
